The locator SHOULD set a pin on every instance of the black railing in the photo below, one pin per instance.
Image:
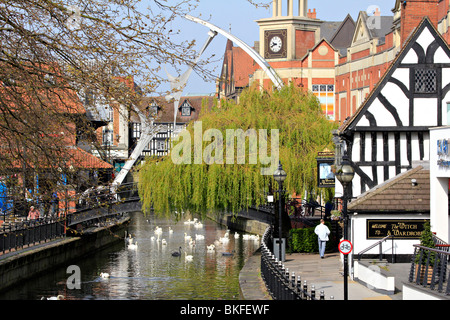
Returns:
(96, 208)
(429, 268)
(280, 284)
(27, 233)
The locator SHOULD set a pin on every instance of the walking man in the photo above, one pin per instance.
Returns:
(322, 232)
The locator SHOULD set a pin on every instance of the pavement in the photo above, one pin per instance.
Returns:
(325, 274)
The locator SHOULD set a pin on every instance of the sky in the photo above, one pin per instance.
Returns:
(240, 17)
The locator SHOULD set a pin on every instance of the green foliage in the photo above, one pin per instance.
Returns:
(426, 240)
(305, 240)
(200, 188)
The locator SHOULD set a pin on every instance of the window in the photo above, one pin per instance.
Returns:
(325, 93)
(161, 145)
(136, 131)
(185, 109)
(153, 109)
(107, 137)
(425, 80)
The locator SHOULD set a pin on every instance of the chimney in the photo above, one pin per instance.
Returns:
(313, 14)
(412, 13)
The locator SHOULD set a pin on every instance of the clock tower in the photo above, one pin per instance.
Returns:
(286, 36)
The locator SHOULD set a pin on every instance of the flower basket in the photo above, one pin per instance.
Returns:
(336, 215)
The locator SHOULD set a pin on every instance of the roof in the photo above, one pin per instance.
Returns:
(350, 122)
(83, 160)
(397, 195)
(166, 111)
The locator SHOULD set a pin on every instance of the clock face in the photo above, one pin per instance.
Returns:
(275, 44)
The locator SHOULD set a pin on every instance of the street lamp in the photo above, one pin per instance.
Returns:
(279, 175)
(345, 174)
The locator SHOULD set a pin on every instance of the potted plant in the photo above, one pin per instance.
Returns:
(426, 240)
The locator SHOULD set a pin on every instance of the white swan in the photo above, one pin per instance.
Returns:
(163, 241)
(186, 237)
(236, 235)
(133, 246)
(170, 230)
(199, 237)
(59, 297)
(189, 258)
(104, 275)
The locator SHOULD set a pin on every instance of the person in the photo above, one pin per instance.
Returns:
(33, 214)
(322, 232)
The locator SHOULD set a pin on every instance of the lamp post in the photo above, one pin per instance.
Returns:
(279, 175)
(345, 174)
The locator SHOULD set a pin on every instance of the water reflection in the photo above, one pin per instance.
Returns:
(151, 272)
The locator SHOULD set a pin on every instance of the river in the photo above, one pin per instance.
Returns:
(150, 272)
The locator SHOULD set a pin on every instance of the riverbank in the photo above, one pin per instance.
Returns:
(18, 266)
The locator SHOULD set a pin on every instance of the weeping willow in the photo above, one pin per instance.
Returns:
(170, 188)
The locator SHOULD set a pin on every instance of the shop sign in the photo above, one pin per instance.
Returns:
(400, 229)
(443, 152)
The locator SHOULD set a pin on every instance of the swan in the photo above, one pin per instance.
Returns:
(199, 237)
(236, 235)
(104, 275)
(170, 230)
(164, 242)
(133, 246)
(198, 225)
(59, 297)
(186, 237)
(152, 238)
(189, 258)
(177, 253)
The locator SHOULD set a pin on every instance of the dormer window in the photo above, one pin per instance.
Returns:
(153, 109)
(186, 109)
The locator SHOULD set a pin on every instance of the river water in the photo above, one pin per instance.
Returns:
(150, 272)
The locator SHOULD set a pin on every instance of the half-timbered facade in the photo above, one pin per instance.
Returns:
(391, 128)
(163, 114)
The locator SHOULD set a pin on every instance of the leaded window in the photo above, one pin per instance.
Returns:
(425, 80)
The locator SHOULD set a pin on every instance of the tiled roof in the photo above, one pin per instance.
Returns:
(166, 112)
(397, 195)
(83, 160)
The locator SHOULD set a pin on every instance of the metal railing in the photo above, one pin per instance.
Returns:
(97, 209)
(429, 268)
(29, 233)
(280, 284)
(380, 244)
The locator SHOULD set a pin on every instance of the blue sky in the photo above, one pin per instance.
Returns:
(241, 16)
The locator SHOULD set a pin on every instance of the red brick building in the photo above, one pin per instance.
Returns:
(339, 61)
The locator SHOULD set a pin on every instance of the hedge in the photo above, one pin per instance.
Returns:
(304, 240)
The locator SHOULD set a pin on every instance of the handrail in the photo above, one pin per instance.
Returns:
(378, 243)
(429, 267)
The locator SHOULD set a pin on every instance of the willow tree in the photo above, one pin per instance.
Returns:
(202, 178)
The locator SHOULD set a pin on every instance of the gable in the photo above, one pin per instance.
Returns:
(361, 31)
(414, 91)
(344, 35)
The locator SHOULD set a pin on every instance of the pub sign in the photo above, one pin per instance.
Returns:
(400, 229)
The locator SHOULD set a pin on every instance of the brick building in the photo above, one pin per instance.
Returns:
(339, 61)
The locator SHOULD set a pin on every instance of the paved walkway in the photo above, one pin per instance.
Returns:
(325, 274)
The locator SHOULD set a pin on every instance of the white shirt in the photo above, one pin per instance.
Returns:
(322, 231)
